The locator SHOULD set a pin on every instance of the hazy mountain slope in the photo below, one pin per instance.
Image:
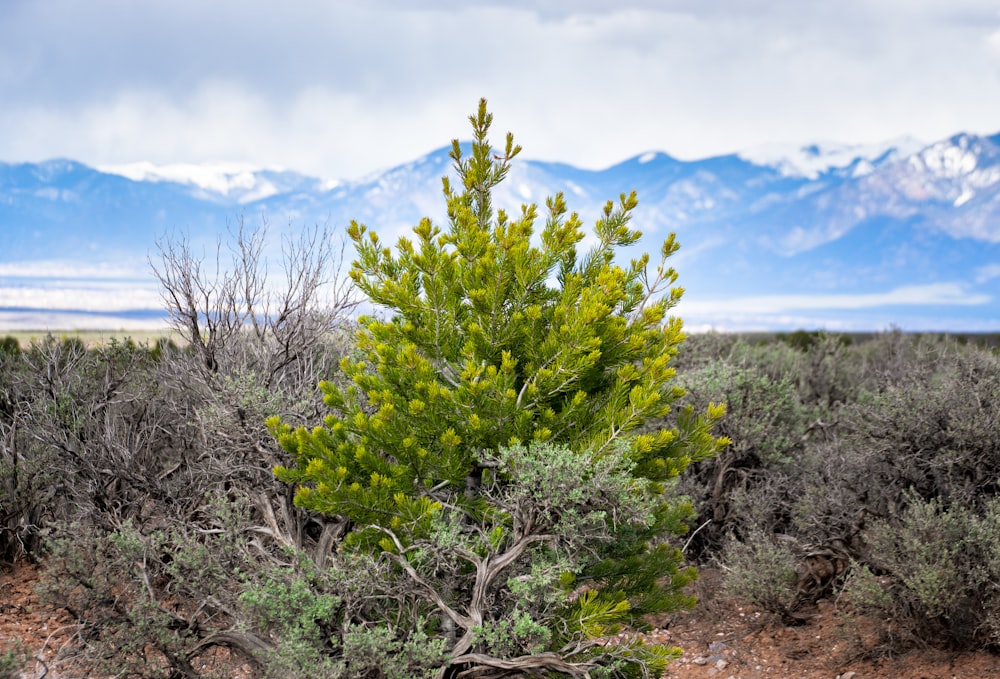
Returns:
(835, 236)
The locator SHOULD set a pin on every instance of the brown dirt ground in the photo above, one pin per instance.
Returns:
(28, 626)
(726, 640)
(721, 640)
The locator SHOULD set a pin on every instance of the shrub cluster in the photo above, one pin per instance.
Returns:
(872, 463)
(471, 491)
(141, 475)
(866, 470)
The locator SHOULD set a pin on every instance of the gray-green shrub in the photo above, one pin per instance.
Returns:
(932, 574)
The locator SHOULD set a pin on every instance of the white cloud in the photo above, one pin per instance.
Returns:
(341, 89)
(89, 296)
(934, 294)
(47, 269)
(60, 322)
(993, 44)
(987, 273)
(858, 323)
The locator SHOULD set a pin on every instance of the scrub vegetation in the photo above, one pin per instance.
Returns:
(511, 466)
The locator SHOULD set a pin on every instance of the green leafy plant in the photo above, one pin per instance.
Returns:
(488, 450)
(12, 661)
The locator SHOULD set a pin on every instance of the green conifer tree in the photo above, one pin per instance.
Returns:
(492, 452)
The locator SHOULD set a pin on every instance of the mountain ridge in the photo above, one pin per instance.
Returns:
(818, 222)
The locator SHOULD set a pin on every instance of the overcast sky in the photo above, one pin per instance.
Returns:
(339, 89)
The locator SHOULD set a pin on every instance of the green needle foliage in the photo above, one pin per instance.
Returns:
(490, 447)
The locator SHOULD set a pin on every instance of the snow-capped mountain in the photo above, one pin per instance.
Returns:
(225, 182)
(823, 235)
(816, 159)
